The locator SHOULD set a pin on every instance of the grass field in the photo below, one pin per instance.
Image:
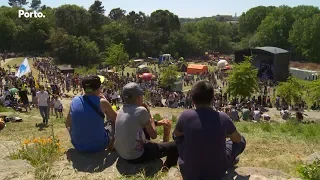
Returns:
(274, 145)
(18, 61)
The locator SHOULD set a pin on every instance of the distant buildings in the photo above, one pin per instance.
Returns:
(227, 18)
(220, 18)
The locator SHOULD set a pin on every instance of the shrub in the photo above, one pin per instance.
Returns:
(310, 171)
(174, 119)
(39, 150)
(157, 117)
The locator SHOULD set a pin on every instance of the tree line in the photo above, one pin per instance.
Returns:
(74, 35)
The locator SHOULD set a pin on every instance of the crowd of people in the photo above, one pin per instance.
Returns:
(209, 115)
(60, 85)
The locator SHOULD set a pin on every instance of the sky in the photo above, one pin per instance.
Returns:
(182, 8)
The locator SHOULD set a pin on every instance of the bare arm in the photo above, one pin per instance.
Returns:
(107, 109)
(177, 133)
(235, 137)
(151, 129)
(150, 126)
(178, 130)
(68, 121)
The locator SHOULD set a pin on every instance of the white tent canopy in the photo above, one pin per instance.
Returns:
(142, 66)
(138, 60)
(222, 63)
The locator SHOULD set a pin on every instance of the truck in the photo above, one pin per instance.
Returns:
(304, 74)
(165, 57)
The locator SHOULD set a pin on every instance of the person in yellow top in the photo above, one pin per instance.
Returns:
(114, 107)
(24, 87)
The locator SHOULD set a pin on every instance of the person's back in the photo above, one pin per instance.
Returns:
(200, 135)
(256, 115)
(245, 114)
(203, 148)
(234, 115)
(129, 135)
(284, 114)
(87, 133)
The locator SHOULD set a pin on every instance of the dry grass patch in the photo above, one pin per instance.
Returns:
(272, 145)
(308, 66)
(278, 145)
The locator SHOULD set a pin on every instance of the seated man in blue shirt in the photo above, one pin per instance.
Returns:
(85, 120)
(200, 136)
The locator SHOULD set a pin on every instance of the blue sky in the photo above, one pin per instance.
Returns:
(183, 8)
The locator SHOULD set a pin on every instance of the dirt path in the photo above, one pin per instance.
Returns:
(6, 62)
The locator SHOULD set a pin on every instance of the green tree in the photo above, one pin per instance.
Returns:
(169, 75)
(274, 29)
(305, 37)
(35, 4)
(162, 23)
(303, 11)
(117, 14)
(242, 80)
(117, 56)
(291, 90)
(210, 30)
(74, 19)
(313, 92)
(97, 11)
(68, 49)
(251, 20)
(18, 3)
(116, 31)
(8, 31)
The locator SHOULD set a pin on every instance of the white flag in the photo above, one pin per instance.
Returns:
(24, 68)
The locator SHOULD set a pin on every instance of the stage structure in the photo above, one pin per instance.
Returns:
(272, 62)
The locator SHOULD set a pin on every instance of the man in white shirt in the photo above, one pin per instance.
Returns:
(114, 98)
(256, 114)
(43, 102)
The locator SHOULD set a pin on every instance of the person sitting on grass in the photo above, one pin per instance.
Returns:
(130, 139)
(200, 136)
(85, 120)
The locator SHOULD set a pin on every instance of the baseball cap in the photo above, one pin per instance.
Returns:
(92, 83)
(132, 90)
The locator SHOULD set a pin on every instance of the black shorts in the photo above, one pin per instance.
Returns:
(25, 101)
(58, 109)
(109, 129)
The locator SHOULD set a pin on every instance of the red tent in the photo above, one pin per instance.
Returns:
(146, 76)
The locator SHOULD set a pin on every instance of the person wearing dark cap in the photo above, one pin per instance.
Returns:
(200, 136)
(130, 138)
(85, 120)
